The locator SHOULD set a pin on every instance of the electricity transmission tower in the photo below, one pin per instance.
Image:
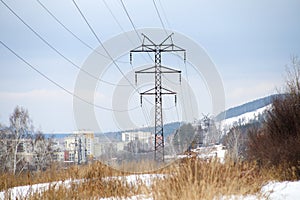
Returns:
(148, 46)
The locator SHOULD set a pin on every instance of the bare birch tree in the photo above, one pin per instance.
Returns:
(3, 149)
(43, 151)
(235, 142)
(20, 132)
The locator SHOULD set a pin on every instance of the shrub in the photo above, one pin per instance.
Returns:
(278, 141)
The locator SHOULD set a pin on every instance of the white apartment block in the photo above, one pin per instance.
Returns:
(143, 137)
(79, 147)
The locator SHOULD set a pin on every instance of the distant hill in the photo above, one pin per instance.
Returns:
(57, 135)
(170, 128)
(247, 107)
(117, 136)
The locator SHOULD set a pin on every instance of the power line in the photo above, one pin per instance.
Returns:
(162, 23)
(135, 29)
(164, 13)
(139, 37)
(101, 43)
(58, 85)
(133, 26)
(67, 29)
(112, 14)
(163, 26)
(91, 29)
(159, 16)
(52, 47)
(117, 21)
(188, 80)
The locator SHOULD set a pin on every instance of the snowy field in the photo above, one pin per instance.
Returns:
(245, 118)
(273, 190)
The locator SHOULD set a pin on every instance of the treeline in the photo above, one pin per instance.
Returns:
(21, 147)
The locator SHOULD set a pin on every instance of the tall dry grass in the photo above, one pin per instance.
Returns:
(196, 179)
(56, 172)
(184, 179)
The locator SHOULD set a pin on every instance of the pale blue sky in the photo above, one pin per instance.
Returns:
(249, 41)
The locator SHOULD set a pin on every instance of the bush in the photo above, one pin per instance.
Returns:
(277, 143)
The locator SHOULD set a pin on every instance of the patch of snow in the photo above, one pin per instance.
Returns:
(282, 190)
(215, 151)
(273, 191)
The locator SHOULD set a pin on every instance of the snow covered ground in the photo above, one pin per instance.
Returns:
(282, 190)
(272, 191)
(226, 124)
(21, 192)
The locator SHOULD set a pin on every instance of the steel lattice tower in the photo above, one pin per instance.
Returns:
(165, 46)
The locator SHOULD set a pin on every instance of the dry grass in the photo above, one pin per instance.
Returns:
(55, 173)
(195, 179)
(185, 179)
(89, 189)
(136, 167)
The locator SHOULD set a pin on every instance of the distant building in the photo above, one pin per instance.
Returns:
(79, 147)
(143, 137)
(59, 156)
(104, 146)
